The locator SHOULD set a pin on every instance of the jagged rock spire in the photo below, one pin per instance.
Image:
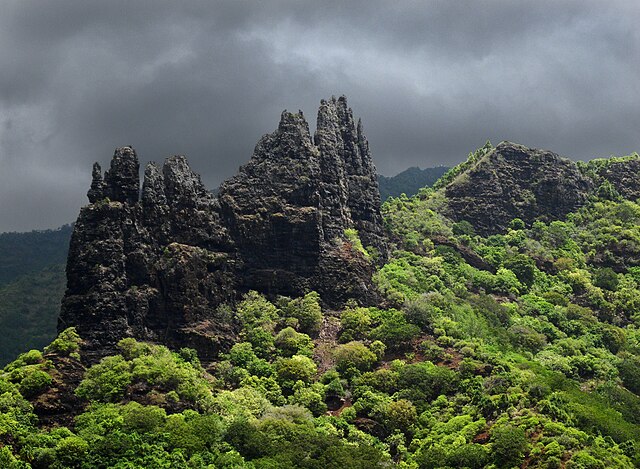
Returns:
(122, 180)
(96, 192)
(158, 266)
(345, 157)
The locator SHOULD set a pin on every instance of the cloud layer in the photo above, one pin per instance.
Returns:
(431, 81)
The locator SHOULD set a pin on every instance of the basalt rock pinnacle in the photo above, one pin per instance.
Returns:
(160, 263)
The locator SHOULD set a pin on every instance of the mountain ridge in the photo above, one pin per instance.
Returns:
(409, 181)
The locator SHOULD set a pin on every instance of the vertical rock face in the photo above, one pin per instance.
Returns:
(157, 265)
(288, 208)
(348, 172)
(122, 180)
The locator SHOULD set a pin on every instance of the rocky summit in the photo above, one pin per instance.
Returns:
(161, 263)
(513, 181)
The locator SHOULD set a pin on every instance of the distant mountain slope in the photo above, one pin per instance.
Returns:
(409, 181)
(29, 309)
(32, 283)
(23, 253)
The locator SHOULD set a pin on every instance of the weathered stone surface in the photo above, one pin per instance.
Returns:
(128, 275)
(122, 180)
(288, 208)
(158, 265)
(514, 181)
(96, 191)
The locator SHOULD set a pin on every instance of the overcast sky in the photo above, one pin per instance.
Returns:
(431, 80)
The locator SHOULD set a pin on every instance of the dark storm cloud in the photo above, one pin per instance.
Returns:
(431, 80)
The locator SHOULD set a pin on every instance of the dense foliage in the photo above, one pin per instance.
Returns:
(25, 253)
(517, 350)
(409, 181)
(31, 286)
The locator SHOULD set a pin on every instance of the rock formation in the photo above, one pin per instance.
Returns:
(160, 265)
(513, 181)
(288, 208)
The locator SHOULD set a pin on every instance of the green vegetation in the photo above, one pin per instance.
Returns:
(471, 160)
(409, 181)
(356, 244)
(29, 308)
(515, 350)
(32, 283)
(26, 253)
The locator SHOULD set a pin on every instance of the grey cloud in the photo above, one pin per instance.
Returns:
(431, 81)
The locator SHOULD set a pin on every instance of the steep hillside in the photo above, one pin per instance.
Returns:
(24, 253)
(512, 181)
(409, 181)
(495, 185)
(516, 350)
(32, 284)
(29, 309)
(491, 329)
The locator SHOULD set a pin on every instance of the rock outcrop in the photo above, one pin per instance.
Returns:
(513, 181)
(288, 208)
(160, 263)
(154, 267)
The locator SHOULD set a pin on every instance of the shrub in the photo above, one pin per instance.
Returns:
(67, 342)
(34, 383)
(355, 324)
(311, 397)
(71, 451)
(395, 331)
(308, 313)
(106, 381)
(463, 228)
(423, 382)
(523, 266)
(256, 310)
(262, 342)
(290, 342)
(509, 444)
(31, 357)
(296, 368)
(354, 355)
(606, 278)
(353, 238)
(400, 414)
(241, 354)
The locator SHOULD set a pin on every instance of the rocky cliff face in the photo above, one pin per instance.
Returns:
(288, 208)
(158, 265)
(513, 181)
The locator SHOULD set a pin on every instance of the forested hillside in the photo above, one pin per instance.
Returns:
(32, 283)
(26, 253)
(518, 349)
(29, 309)
(409, 181)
